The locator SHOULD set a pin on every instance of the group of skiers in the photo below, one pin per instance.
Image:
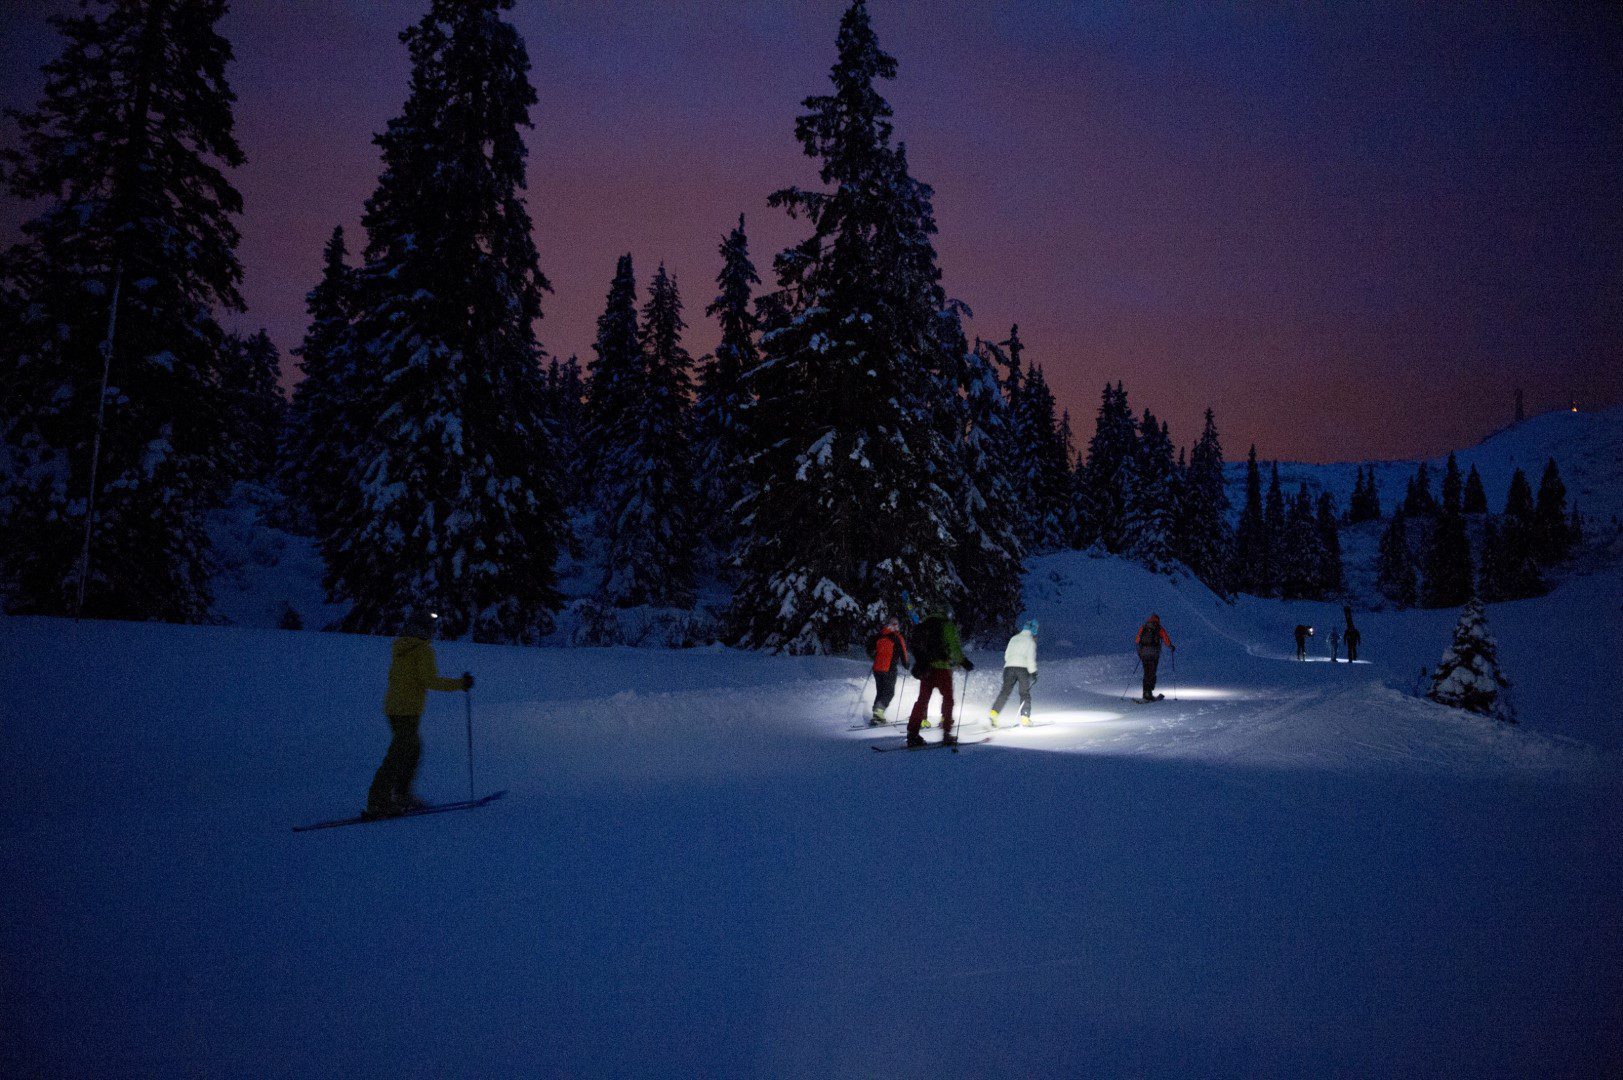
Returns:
(1350, 636)
(940, 652)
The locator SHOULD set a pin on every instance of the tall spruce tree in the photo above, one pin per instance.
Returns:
(566, 414)
(1205, 541)
(1103, 481)
(450, 507)
(1475, 500)
(255, 407)
(327, 398)
(1044, 475)
(1331, 575)
(1275, 517)
(852, 505)
(615, 368)
(1149, 482)
(990, 550)
(1418, 501)
(111, 407)
(1395, 575)
(1252, 571)
(1449, 575)
(1551, 539)
(1366, 501)
(647, 474)
(1302, 556)
(1517, 574)
(722, 440)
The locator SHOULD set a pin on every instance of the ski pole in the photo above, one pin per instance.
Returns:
(467, 701)
(1174, 674)
(856, 702)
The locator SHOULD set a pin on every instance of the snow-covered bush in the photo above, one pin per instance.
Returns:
(1468, 677)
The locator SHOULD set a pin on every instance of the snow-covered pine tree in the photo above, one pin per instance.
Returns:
(450, 507)
(122, 271)
(1449, 574)
(1475, 500)
(1252, 572)
(1205, 541)
(1469, 677)
(314, 466)
(256, 409)
(1302, 558)
(852, 503)
(1395, 569)
(1044, 475)
(1103, 482)
(1149, 482)
(1331, 576)
(1275, 517)
(722, 440)
(646, 482)
(1550, 539)
(989, 553)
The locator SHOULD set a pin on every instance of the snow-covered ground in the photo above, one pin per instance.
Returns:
(701, 870)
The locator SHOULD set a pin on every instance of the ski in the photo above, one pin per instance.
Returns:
(1141, 701)
(877, 727)
(434, 808)
(1022, 727)
(935, 744)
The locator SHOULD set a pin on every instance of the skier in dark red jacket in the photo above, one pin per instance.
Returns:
(1149, 639)
(890, 656)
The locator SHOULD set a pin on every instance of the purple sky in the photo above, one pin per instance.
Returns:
(1351, 233)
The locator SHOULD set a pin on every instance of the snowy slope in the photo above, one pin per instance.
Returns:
(700, 869)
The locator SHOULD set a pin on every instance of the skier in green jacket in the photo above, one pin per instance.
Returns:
(937, 651)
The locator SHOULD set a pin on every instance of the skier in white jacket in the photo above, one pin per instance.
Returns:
(1019, 669)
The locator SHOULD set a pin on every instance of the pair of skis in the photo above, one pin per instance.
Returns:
(421, 811)
(935, 744)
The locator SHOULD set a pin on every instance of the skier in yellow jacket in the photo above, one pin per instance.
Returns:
(412, 674)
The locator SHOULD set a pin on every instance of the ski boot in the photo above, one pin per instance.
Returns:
(948, 739)
(1025, 719)
(991, 718)
(877, 719)
(916, 741)
(928, 723)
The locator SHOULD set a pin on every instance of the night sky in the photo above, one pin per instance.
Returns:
(1352, 232)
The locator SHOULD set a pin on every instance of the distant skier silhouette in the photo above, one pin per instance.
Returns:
(1351, 636)
(1302, 634)
(1149, 639)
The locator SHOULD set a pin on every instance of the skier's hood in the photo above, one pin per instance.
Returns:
(404, 645)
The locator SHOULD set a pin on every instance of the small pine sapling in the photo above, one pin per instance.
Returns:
(1469, 677)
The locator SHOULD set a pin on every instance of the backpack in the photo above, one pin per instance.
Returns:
(930, 645)
(1149, 637)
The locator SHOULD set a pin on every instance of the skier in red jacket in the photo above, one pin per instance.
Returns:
(889, 651)
(1149, 639)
